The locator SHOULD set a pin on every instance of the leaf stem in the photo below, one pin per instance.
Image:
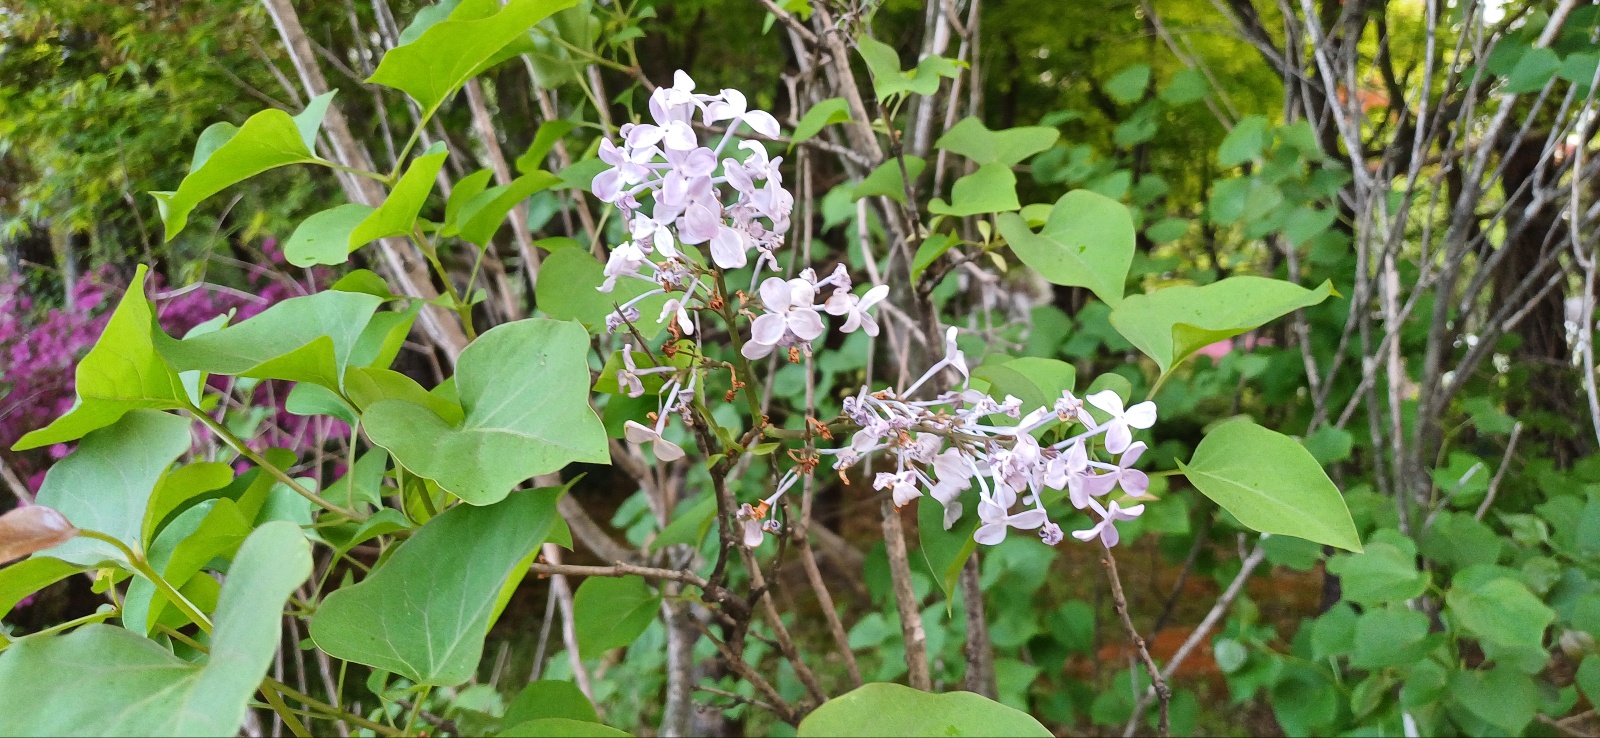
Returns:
(139, 564)
(278, 474)
(353, 170)
(327, 709)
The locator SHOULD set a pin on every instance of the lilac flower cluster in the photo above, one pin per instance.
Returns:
(940, 446)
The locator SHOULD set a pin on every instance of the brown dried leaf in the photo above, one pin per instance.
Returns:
(32, 528)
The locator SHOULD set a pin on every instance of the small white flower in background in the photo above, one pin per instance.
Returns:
(674, 308)
(1069, 408)
(1133, 481)
(1106, 529)
(751, 523)
(997, 518)
(952, 354)
(855, 308)
(753, 518)
(791, 311)
(642, 434)
(903, 483)
(1050, 533)
(1117, 428)
(616, 319)
(627, 376)
(625, 260)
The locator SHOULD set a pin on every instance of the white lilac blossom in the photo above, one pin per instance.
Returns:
(674, 398)
(855, 308)
(1118, 428)
(753, 519)
(791, 317)
(945, 446)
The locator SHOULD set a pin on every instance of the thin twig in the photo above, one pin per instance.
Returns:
(1157, 682)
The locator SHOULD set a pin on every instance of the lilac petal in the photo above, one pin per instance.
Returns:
(1131, 456)
(752, 350)
(1109, 535)
(1088, 534)
(1098, 484)
(638, 433)
(645, 134)
(775, 294)
(990, 512)
(1118, 437)
(1107, 400)
(1135, 482)
(952, 513)
(1142, 415)
(905, 493)
(869, 325)
(607, 185)
(667, 450)
(768, 329)
(763, 123)
(805, 323)
(699, 163)
(728, 248)
(990, 534)
(851, 323)
(1028, 520)
(752, 533)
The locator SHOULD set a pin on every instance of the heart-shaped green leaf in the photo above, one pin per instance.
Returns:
(448, 575)
(991, 189)
(106, 680)
(972, 139)
(612, 612)
(525, 388)
(1088, 241)
(893, 709)
(105, 484)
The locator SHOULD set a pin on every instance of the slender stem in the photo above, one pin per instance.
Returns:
(140, 565)
(288, 716)
(357, 172)
(905, 598)
(416, 709)
(58, 627)
(1163, 692)
(461, 307)
(327, 709)
(278, 474)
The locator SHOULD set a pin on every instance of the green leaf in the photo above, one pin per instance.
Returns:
(560, 728)
(469, 187)
(1271, 483)
(1227, 200)
(1579, 69)
(106, 483)
(27, 576)
(482, 215)
(611, 612)
(180, 488)
(1329, 444)
(324, 238)
(1503, 612)
(1390, 636)
(549, 698)
(204, 532)
(690, 526)
(991, 189)
(1385, 572)
(524, 386)
(887, 181)
(544, 139)
(823, 114)
(887, 79)
(267, 140)
(567, 290)
(448, 575)
(1038, 382)
(367, 387)
(1167, 230)
(1305, 223)
(397, 216)
(450, 52)
(1087, 242)
(1244, 142)
(1185, 87)
(945, 551)
(302, 339)
(1533, 70)
(109, 681)
(1172, 323)
(1129, 84)
(1501, 696)
(972, 139)
(120, 373)
(932, 247)
(892, 709)
(580, 176)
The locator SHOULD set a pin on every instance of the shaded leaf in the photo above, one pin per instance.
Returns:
(1087, 242)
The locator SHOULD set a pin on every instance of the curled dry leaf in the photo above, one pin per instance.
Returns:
(32, 528)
